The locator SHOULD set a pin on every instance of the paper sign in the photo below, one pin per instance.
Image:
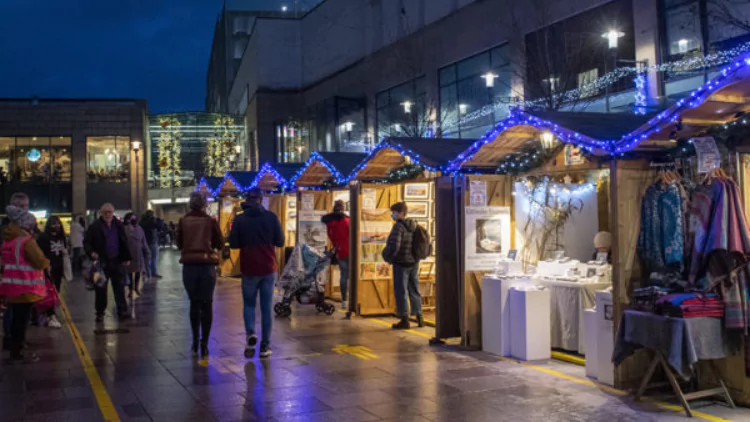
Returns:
(487, 235)
(601, 257)
(308, 202)
(512, 254)
(477, 193)
(369, 198)
(708, 154)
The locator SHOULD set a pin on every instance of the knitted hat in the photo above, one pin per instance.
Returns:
(603, 240)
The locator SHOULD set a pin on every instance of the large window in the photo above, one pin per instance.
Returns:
(464, 88)
(292, 142)
(108, 159)
(36, 159)
(692, 26)
(403, 111)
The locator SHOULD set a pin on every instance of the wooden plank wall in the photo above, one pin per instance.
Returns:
(499, 193)
(229, 267)
(277, 205)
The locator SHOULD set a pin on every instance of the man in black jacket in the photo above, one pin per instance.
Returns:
(399, 253)
(107, 242)
(151, 228)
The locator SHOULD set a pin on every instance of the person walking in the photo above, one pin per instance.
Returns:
(140, 252)
(399, 252)
(22, 283)
(107, 242)
(151, 229)
(337, 225)
(257, 232)
(19, 200)
(77, 231)
(199, 258)
(53, 244)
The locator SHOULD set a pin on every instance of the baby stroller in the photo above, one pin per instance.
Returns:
(299, 280)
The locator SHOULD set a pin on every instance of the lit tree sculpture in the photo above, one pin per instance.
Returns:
(220, 147)
(169, 152)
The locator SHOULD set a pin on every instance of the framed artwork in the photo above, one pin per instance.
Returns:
(419, 209)
(425, 224)
(368, 271)
(426, 268)
(383, 271)
(416, 191)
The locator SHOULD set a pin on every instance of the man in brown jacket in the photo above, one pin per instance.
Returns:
(199, 238)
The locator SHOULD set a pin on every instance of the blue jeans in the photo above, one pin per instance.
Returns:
(250, 288)
(344, 277)
(152, 265)
(406, 280)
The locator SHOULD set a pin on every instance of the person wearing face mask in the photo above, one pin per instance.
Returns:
(399, 252)
(140, 253)
(54, 245)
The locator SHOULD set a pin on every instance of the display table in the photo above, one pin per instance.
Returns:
(568, 301)
(677, 344)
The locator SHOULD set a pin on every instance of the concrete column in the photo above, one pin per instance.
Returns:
(78, 156)
(647, 42)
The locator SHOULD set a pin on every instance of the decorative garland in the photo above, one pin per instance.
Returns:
(407, 172)
(169, 152)
(220, 147)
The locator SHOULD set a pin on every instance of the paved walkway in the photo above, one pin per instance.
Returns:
(323, 369)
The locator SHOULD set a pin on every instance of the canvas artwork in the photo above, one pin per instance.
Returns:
(417, 191)
(418, 209)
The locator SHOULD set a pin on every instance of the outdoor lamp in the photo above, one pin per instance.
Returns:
(462, 108)
(489, 79)
(136, 146)
(349, 126)
(407, 106)
(612, 36)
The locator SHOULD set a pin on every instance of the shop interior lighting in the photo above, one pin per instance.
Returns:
(136, 146)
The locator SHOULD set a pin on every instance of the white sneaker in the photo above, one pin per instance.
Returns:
(344, 305)
(54, 322)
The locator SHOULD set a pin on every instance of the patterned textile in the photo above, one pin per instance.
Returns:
(662, 238)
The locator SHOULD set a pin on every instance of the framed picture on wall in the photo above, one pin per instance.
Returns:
(416, 191)
(420, 209)
(425, 224)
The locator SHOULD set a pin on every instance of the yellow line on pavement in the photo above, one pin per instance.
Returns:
(100, 392)
(615, 391)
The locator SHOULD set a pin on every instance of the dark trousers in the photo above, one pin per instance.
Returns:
(200, 281)
(115, 273)
(406, 289)
(7, 326)
(19, 325)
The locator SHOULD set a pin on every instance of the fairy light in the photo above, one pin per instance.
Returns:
(339, 178)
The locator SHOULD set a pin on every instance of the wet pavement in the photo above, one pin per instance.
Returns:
(324, 368)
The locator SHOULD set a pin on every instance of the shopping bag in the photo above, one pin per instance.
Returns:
(95, 276)
(67, 266)
(50, 301)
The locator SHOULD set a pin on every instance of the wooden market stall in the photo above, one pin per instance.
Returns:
(230, 195)
(321, 182)
(410, 170)
(209, 186)
(273, 179)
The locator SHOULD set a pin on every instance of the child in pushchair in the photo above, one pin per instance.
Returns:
(300, 281)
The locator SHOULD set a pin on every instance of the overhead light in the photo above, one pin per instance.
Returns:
(161, 201)
(348, 126)
(612, 37)
(33, 139)
(462, 108)
(181, 200)
(136, 145)
(489, 79)
(284, 8)
(39, 213)
(407, 106)
(683, 45)
(548, 140)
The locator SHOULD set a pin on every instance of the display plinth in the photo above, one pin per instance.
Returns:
(605, 371)
(530, 336)
(591, 326)
(495, 315)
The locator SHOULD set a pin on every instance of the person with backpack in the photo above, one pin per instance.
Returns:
(407, 244)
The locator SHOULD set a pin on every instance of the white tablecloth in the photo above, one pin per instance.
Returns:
(568, 301)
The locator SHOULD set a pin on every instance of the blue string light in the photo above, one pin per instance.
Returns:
(316, 157)
(640, 94)
(267, 168)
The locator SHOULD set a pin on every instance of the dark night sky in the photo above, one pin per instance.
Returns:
(153, 49)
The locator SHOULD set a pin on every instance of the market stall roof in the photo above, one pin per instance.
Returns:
(209, 185)
(273, 176)
(524, 130)
(324, 167)
(237, 181)
(721, 100)
(434, 154)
